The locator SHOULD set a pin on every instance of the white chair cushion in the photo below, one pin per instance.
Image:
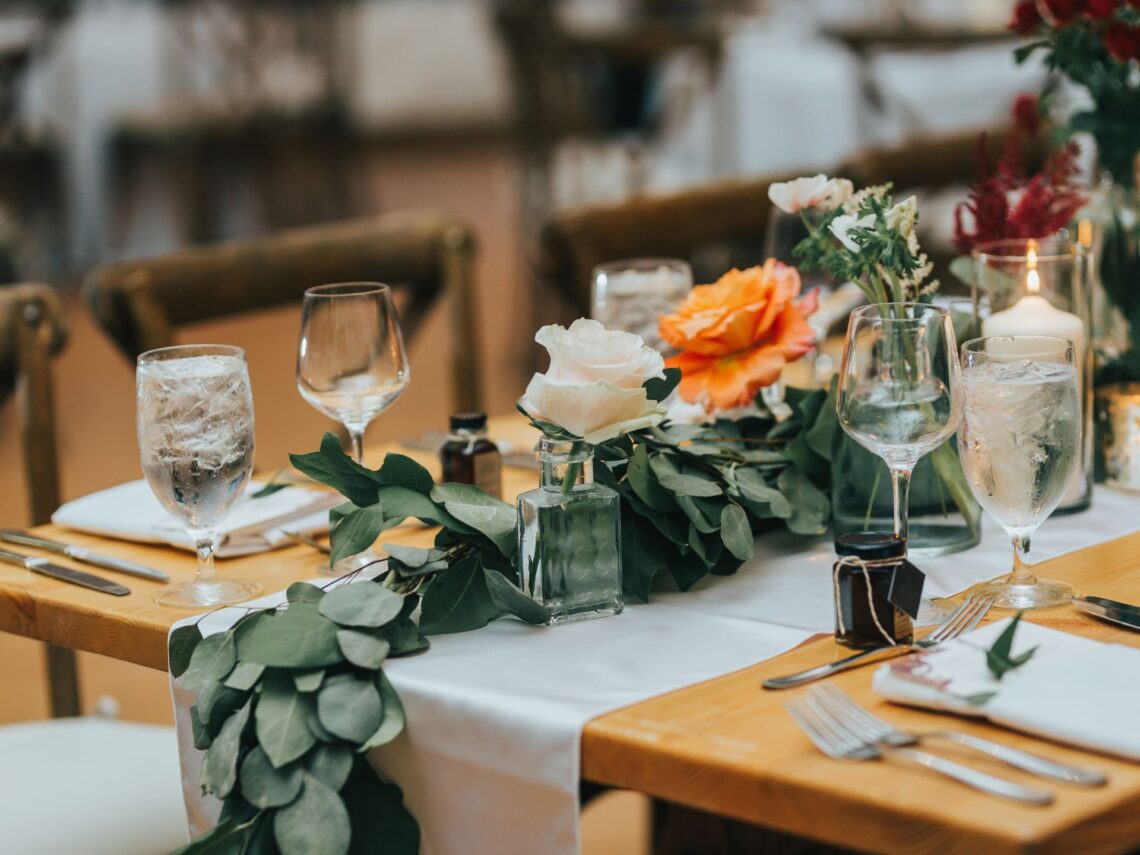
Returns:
(90, 785)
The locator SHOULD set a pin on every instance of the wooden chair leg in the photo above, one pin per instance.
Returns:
(63, 681)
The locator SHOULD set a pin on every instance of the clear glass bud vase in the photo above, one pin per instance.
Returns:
(570, 537)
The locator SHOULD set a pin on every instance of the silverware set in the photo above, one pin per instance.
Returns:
(82, 554)
(962, 620)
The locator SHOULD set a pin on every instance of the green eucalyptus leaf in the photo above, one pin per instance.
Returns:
(212, 659)
(361, 604)
(282, 731)
(754, 488)
(219, 766)
(735, 532)
(377, 813)
(642, 555)
(264, 785)
(492, 517)
(202, 737)
(308, 681)
(298, 637)
(411, 561)
(643, 480)
(660, 388)
(216, 703)
(244, 676)
(349, 707)
(303, 592)
(458, 600)
(330, 764)
(399, 503)
(316, 823)
(510, 599)
(404, 636)
(392, 725)
(694, 510)
(183, 641)
(228, 837)
(313, 721)
(810, 507)
(333, 467)
(357, 531)
(401, 471)
(690, 485)
(363, 649)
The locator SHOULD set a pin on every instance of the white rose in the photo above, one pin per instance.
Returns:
(594, 387)
(842, 225)
(902, 216)
(816, 191)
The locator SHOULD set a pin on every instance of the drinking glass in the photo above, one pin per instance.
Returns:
(351, 363)
(634, 293)
(1020, 441)
(195, 430)
(898, 395)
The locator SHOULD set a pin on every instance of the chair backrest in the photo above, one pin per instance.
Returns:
(677, 225)
(140, 303)
(32, 331)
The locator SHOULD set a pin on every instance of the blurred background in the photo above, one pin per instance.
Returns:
(132, 128)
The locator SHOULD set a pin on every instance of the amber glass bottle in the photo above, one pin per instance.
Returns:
(468, 457)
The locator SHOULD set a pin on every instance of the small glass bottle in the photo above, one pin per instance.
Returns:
(570, 537)
(468, 457)
(878, 555)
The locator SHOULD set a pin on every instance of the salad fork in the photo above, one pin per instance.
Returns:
(870, 727)
(831, 736)
(962, 620)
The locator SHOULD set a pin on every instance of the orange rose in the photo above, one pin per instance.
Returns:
(736, 335)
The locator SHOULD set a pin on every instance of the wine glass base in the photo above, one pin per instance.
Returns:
(1040, 594)
(351, 564)
(197, 595)
(934, 610)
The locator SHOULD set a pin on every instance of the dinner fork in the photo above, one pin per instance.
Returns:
(871, 728)
(961, 620)
(834, 739)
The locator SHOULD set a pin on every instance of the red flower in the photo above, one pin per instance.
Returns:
(1025, 17)
(1061, 12)
(1123, 42)
(1026, 114)
(1099, 9)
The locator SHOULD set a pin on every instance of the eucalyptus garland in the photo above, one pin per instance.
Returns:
(290, 699)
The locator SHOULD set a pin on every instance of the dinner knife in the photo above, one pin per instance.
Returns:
(82, 554)
(1111, 610)
(64, 574)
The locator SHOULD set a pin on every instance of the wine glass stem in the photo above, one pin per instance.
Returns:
(356, 437)
(1022, 573)
(204, 544)
(900, 487)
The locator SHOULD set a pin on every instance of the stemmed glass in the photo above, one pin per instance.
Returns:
(195, 431)
(898, 395)
(351, 363)
(1019, 442)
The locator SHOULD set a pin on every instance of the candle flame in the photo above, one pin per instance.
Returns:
(1032, 278)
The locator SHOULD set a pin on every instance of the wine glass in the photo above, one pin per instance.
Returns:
(195, 431)
(898, 395)
(351, 363)
(1019, 441)
(633, 294)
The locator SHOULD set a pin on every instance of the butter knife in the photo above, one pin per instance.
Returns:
(1111, 610)
(64, 574)
(82, 554)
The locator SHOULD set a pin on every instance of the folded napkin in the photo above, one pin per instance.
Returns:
(1073, 690)
(131, 512)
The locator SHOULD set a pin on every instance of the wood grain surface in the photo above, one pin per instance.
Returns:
(723, 746)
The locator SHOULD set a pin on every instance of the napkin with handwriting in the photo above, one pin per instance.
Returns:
(131, 512)
(1073, 690)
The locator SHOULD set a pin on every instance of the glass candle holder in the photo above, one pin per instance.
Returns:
(569, 533)
(632, 294)
(1118, 414)
(1043, 287)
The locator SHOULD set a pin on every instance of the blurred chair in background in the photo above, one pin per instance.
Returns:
(73, 784)
(426, 256)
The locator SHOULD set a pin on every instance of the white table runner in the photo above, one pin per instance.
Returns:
(489, 762)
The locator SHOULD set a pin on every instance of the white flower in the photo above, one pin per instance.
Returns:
(594, 386)
(842, 225)
(902, 216)
(839, 191)
(793, 196)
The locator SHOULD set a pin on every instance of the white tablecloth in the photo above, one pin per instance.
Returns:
(489, 762)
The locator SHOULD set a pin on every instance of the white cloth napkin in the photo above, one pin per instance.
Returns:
(1073, 689)
(131, 512)
(495, 716)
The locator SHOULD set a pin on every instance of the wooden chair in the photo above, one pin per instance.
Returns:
(713, 227)
(140, 303)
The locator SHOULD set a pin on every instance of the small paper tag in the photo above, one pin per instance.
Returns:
(906, 588)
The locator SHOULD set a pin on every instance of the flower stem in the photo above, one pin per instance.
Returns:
(570, 477)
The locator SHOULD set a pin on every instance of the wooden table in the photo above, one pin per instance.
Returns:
(723, 746)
